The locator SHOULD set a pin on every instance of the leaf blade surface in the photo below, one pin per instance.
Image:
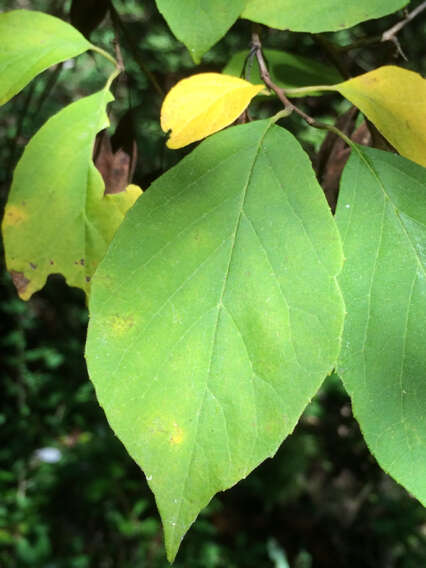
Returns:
(316, 17)
(211, 332)
(30, 43)
(381, 215)
(199, 24)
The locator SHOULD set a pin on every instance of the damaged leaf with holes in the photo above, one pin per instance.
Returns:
(58, 218)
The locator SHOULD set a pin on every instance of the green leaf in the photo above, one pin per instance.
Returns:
(286, 70)
(30, 43)
(216, 315)
(57, 219)
(381, 215)
(317, 16)
(199, 24)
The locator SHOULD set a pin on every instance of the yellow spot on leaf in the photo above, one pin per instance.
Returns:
(13, 215)
(203, 104)
(394, 99)
(177, 436)
(120, 324)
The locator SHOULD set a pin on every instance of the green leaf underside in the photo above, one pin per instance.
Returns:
(381, 215)
(199, 24)
(215, 316)
(30, 42)
(57, 219)
(317, 16)
(286, 70)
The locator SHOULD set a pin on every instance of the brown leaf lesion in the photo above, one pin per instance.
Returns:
(14, 215)
(20, 281)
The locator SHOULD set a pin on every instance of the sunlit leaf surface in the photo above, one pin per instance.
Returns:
(200, 24)
(216, 315)
(317, 15)
(394, 99)
(203, 104)
(30, 42)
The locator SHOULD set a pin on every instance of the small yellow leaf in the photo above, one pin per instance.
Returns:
(394, 99)
(203, 104)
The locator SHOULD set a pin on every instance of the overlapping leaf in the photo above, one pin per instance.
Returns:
(394, 99)
(215, 316)
(57, 219)
(286, 69)
(381, 214)
(200, 24)
(203, 104)
(30, 42)
(317, 16)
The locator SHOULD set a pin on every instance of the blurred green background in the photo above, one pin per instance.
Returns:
(70, 496)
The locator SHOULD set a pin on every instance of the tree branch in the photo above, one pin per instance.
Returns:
(266, 78)
(118, 23)
(388, 35)
(281, 94)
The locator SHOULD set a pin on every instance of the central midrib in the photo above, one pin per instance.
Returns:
(219, 311)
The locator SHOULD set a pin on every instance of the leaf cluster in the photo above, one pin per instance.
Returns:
(221, 298)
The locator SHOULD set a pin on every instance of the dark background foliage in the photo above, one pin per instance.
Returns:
(70, 496)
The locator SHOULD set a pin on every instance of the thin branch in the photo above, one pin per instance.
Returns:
(390, 34)
(118, 23)
(266, 78)
(289, 107)
(118, 55)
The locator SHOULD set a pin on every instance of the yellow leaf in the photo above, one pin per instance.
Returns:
(203, 104)
(394, 99)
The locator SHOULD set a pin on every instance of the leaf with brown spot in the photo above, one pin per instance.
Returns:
(20, 281)
(62, 201)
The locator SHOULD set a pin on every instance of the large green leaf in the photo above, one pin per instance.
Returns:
(30, 42)
(317, 15)
(381, 215)
(57, 219)
(286, 69)
(199, 24)
(215, 316)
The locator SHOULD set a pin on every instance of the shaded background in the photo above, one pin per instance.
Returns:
(70, 496)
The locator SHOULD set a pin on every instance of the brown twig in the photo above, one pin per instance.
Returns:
(118, 23)
(266, 78)
(118, 56)
(388, 35)
(391, 33)
(288, 105)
